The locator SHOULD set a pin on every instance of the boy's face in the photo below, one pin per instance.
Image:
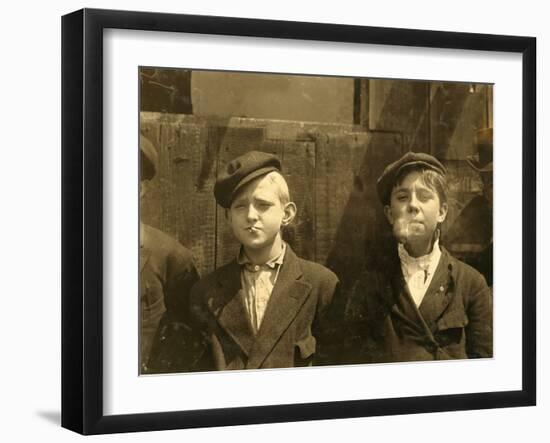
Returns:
(257, 214)
(414, 210)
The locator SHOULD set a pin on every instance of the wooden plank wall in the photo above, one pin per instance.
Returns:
(331, 169)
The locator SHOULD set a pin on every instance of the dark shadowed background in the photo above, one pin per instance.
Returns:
(334, 136)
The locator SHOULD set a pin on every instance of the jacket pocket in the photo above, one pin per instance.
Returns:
(304, 351)
(452, 320)
(450, 333)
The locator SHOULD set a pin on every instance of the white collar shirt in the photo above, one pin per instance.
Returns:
(419, 271)
(257, 282)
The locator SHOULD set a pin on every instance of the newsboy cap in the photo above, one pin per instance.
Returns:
(148, 158)
(240, 171)
(386, 181)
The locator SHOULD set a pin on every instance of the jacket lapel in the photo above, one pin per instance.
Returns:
(438, 295)
(229, 308)
(394, 294)
(404, 307)
(391, 285)
(288, 296)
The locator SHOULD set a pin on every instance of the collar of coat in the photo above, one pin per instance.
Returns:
(438, 295)
(243, 259)
(227, 304)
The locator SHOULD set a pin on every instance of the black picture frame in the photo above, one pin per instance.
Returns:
(82, 218)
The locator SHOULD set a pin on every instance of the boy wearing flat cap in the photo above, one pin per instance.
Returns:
(422, 304)
(265, 309)
(166, 274)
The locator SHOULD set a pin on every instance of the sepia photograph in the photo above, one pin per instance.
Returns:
(273, 221)
(299, 220)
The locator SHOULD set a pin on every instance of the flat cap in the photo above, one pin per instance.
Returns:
(386, 181)
(148, 158)
(240, 171)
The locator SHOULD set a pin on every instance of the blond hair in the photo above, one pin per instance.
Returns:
(276, 178)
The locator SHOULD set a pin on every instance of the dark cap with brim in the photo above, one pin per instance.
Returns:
(412, 160)
(240, 171)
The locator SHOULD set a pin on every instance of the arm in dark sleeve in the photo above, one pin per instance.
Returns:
(174, 344)
(180, 279)
(479, 331)
(329, 329)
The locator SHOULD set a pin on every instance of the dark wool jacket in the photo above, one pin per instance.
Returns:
(383, 324)
(291, 332)
(167, 274)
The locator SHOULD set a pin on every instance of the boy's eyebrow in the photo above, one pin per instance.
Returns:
(401, 188)
(239, 199)
(426, 189)
(423, 188)
(263, 199)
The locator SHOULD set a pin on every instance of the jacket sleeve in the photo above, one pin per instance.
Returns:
(328, 328)
(479, 331)
(180, 279)
(174, 345)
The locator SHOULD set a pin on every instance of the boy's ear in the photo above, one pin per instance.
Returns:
(388, 214)
(443, 209)
(290, 213)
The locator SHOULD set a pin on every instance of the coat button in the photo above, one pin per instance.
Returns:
(441, 288)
